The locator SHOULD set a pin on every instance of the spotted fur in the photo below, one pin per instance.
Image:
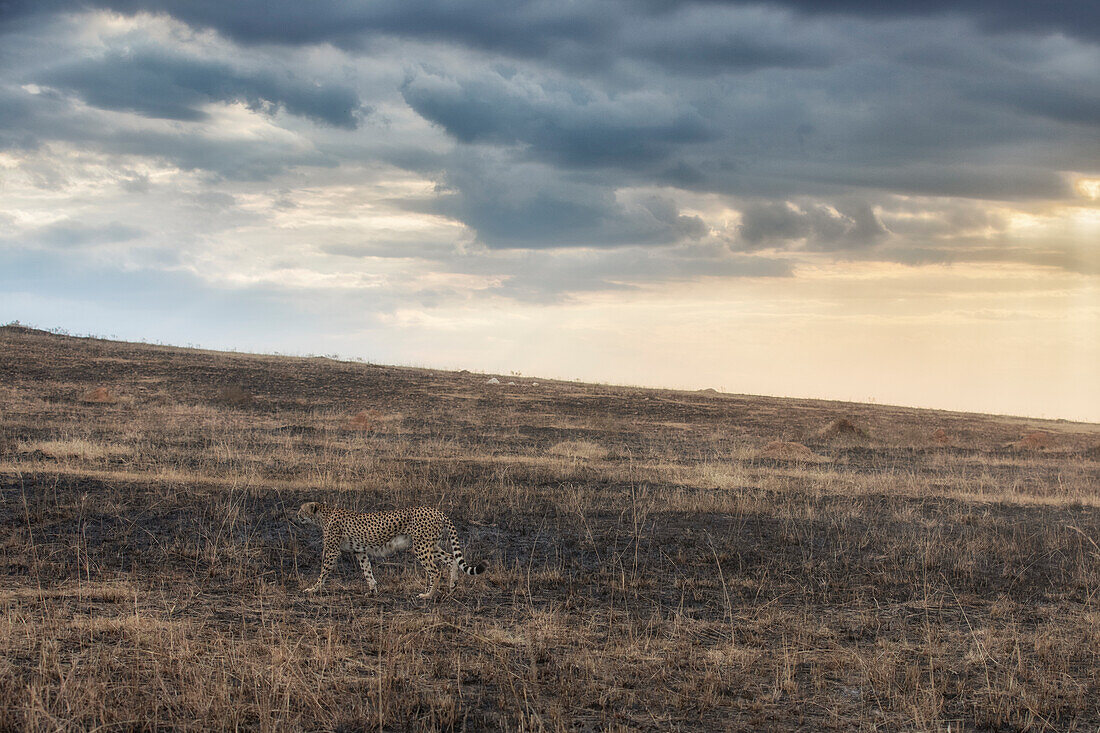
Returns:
(379, 534)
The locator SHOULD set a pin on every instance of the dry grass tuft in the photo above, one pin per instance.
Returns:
(940, 437)
(371, 420)
(234, 395)
(578, 449)
(120, 592)
(363, 420)
(1035, 440)
(842, 427)
(136, 625)
(99, 396)
(778, 450)
(75, 448)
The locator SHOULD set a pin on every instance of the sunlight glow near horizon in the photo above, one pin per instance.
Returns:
(965, 351)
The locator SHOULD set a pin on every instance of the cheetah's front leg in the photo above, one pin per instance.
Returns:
(329, 556)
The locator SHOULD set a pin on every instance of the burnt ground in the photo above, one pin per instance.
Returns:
(657, 575)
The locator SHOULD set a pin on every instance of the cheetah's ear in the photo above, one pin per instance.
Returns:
(310, 507)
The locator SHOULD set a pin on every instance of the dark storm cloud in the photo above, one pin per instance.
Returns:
(532, 206)
(521, 28)
(157, 84)
(1055, 100)
(534, 27)
(554, 124)
(1073, 17)
(567, 123)
(16, 111)
(513, 203)
(702, 40)
(852, 225)
(32, 120)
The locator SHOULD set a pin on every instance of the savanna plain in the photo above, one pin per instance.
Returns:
(661, 560)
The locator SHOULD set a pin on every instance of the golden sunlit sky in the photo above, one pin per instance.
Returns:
(844, 200)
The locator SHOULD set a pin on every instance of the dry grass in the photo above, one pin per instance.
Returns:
(373, 420)
(234, 395)
(650, 566)
(778, 450)
(99, 395)
(578, 449)
(73, 448)
(1035, 440)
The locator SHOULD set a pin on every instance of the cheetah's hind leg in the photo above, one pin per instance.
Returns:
(364, 565)
(445, 560)
(426, 556)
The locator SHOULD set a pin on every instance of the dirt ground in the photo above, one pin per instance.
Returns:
(648, 569)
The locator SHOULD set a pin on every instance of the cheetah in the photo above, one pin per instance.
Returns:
(384, 533)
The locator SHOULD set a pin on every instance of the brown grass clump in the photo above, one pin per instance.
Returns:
(234, 395)
(842, 427)
(582, 449)
(778, 450)
(940, 437)
(76, 448)
(363, 420)
(99, 396)
(85, 592)
(371, 420)
(1035, 440)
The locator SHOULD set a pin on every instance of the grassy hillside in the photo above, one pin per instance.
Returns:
(658, 559)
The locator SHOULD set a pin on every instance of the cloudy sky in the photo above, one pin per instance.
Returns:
(843, 199)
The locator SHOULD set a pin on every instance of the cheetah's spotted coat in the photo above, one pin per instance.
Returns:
(384, 533)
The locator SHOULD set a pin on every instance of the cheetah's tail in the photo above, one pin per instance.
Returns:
(459, 557)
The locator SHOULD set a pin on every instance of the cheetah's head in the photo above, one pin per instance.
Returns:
(310, 513)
